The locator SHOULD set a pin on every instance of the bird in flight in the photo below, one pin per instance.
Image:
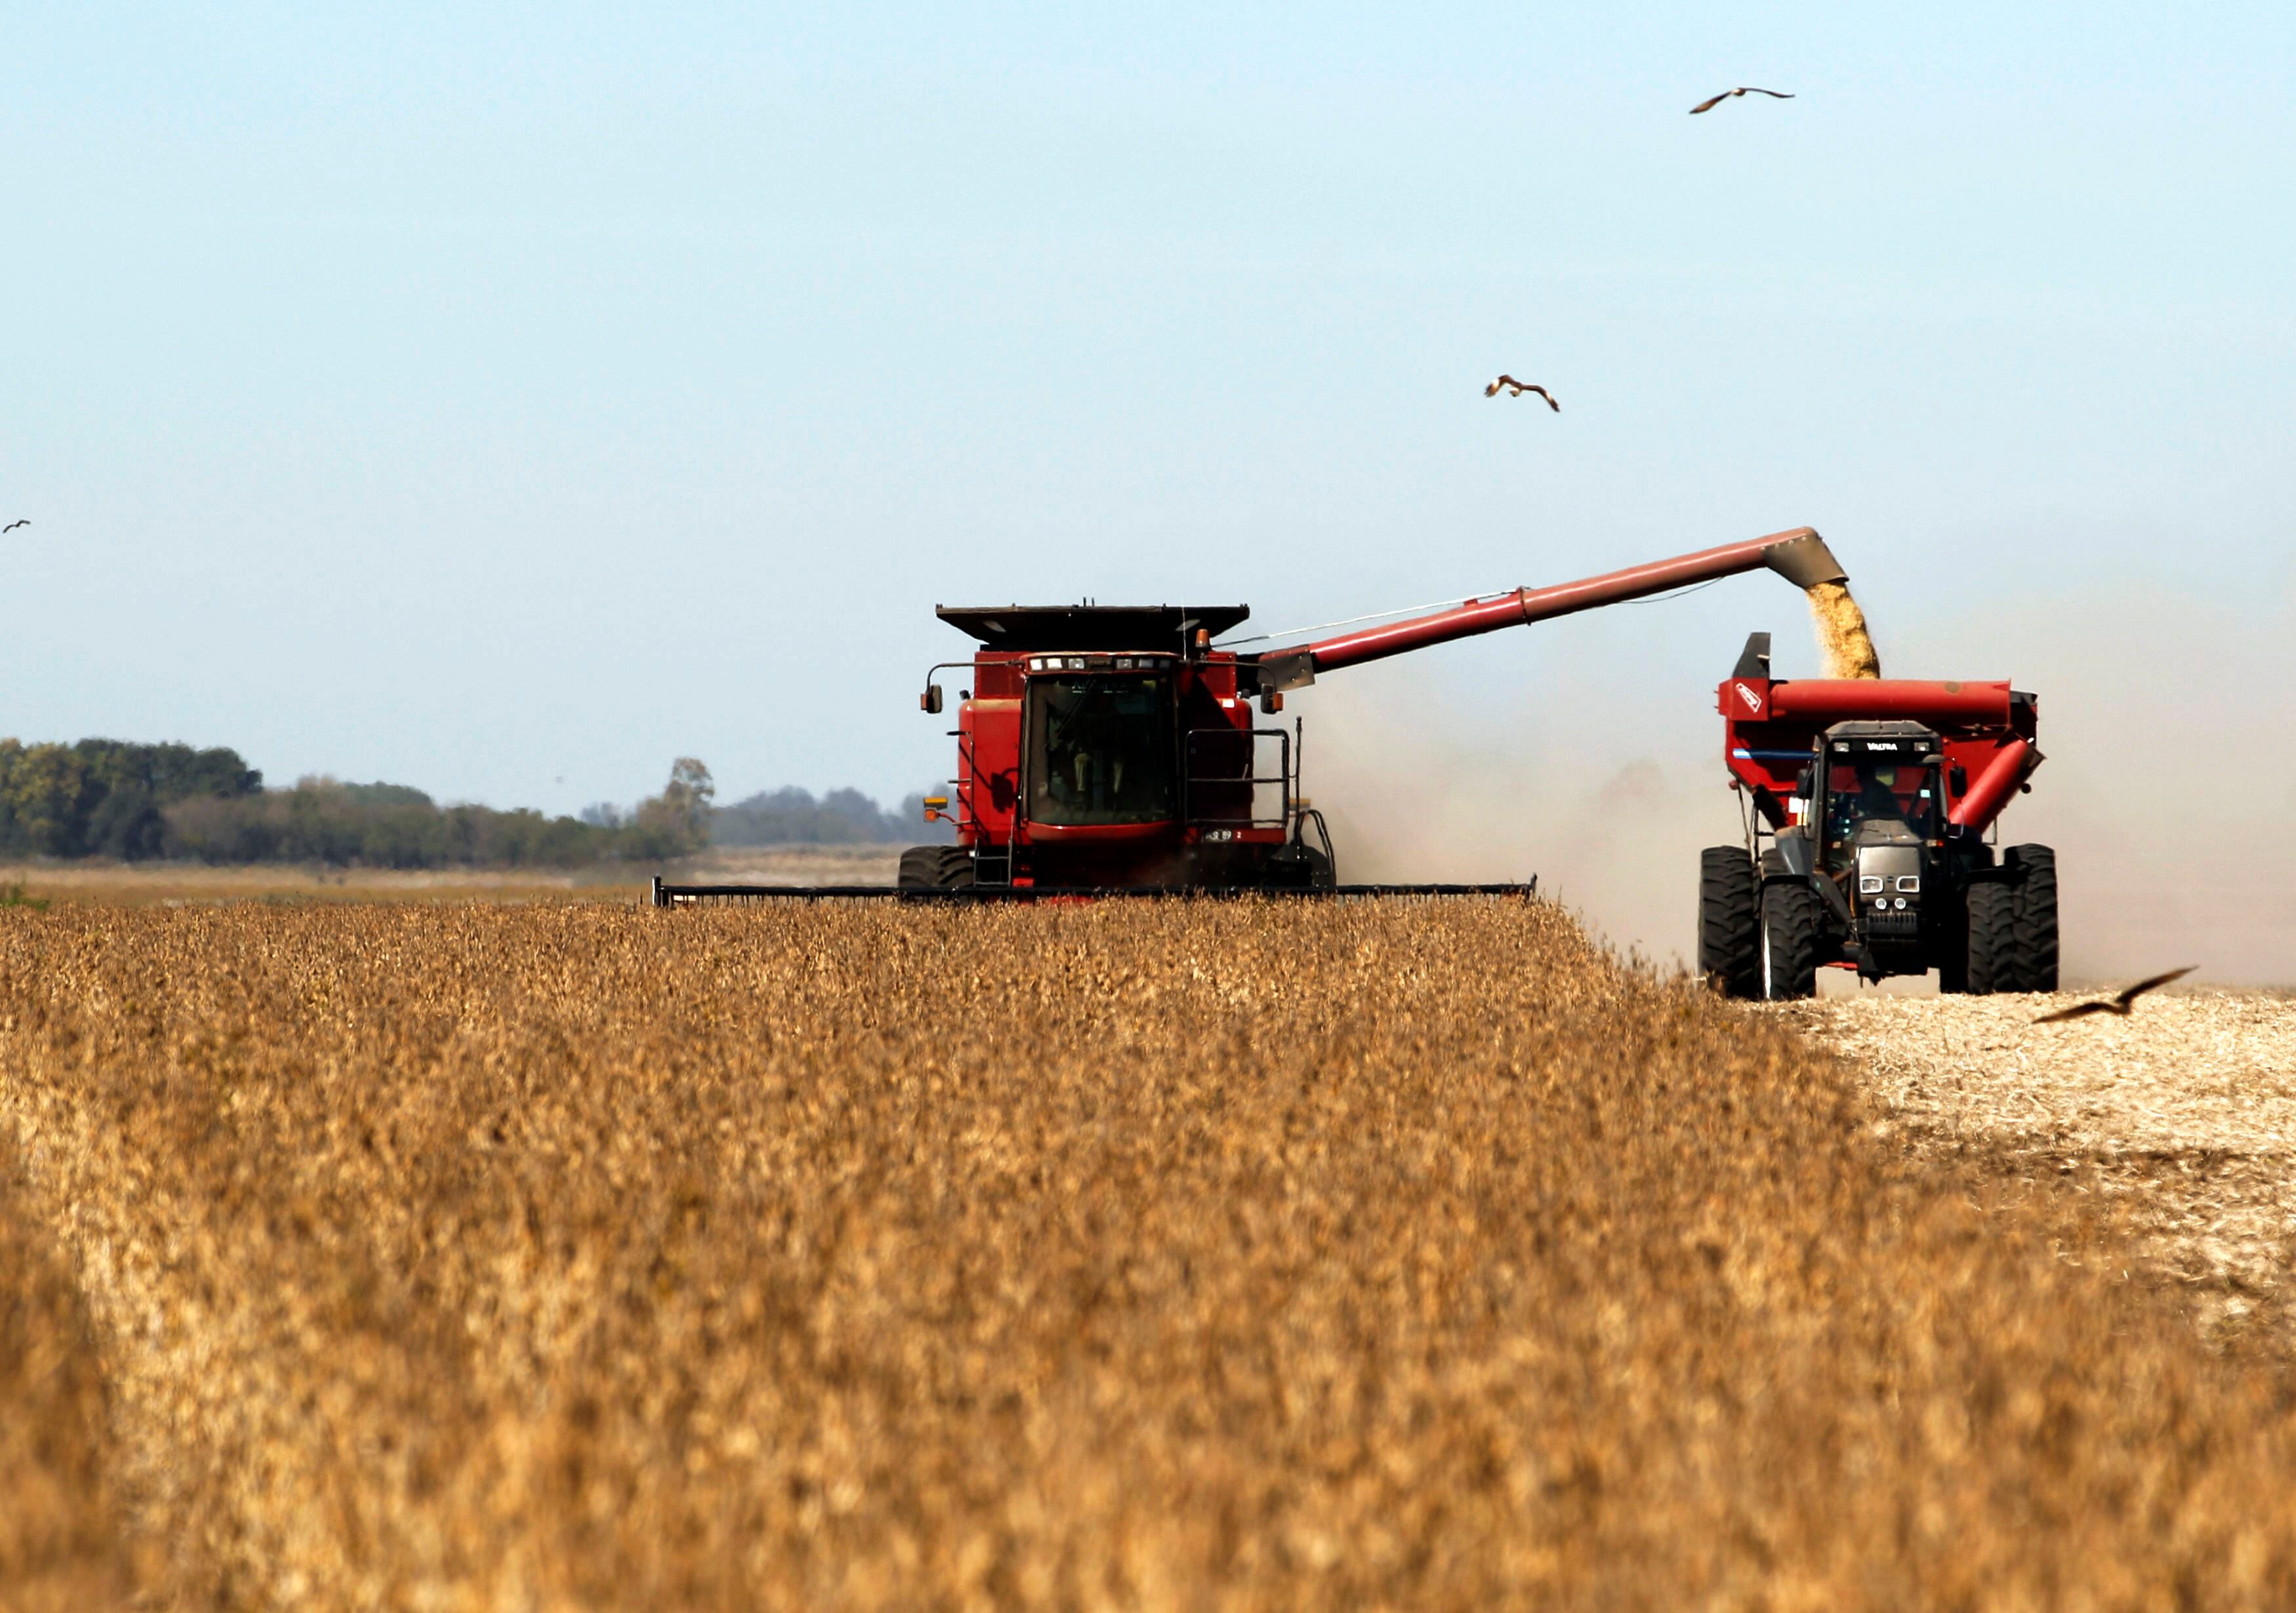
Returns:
(12, 526)
(1516, 389)
(1712, 101)
(2119, 1004)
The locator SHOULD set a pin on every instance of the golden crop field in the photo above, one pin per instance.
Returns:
(1195, 1254)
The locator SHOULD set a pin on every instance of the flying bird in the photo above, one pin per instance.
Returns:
(12, 526)
(2116, 1005)
(1516, 389)
(1709, 105)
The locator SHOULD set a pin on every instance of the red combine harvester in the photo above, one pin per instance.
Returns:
(1105, 750)
(1865, 843)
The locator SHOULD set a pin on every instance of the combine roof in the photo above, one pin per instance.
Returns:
(1024, 628)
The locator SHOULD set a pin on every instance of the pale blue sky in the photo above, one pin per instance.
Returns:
(486, 397)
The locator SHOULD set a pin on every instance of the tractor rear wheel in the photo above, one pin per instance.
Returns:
(1729, 933)
(2034, 915)
(1789, 940)
(1992, 953)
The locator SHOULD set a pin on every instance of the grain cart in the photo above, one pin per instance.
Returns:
(1115, 748)
(1865, 804)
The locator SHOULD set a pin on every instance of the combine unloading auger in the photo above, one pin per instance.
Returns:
(1114, 749)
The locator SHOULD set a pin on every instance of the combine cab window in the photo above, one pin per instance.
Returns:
(1100, 750)
(1860, 789)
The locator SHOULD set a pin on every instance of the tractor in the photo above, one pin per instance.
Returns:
(1865, 804)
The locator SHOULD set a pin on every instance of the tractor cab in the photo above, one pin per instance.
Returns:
(1876, 809)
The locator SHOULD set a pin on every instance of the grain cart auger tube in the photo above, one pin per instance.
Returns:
(1107, 747)
(1866, 805)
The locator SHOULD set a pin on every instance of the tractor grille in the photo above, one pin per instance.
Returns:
(1893, 924)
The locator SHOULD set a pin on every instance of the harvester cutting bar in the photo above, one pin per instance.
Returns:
(681, 896)
(1799, 555)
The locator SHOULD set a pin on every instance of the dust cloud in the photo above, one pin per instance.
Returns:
(1411, 794)
(1841, 636)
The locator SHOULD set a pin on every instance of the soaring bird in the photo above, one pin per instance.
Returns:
(12, 526)
(2116, 1005)
(1516, 389)
(1709, 105)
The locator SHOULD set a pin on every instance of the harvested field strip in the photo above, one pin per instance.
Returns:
(2183, 1113)
(1208, 1255)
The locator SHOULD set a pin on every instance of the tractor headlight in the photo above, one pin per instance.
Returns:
(1870, 884)
(1909, 881)
(1901, 904)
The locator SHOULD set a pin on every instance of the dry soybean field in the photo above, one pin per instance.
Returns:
(1131, 1256)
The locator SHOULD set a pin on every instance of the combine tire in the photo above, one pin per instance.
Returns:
(934, 868)
(2034, 915)
(1993, 960)
(1729, 936)
(1789, 940)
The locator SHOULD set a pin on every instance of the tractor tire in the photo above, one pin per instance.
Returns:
(1993, 957)
(1952, 954)
(921, 868)
(1729, 932)
(1789, 961)
(956, 868)
(2034, 915)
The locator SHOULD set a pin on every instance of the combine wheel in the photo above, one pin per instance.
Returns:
(1729, 936)
(1993, 957)
(955, 867)
(1790, 915)
(920, 868)
(2034, 915)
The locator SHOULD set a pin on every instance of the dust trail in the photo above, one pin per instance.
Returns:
(1841, 632)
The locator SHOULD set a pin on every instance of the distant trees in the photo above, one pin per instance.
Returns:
(380, 825)
(377, 826)
(842, 817)
(107, 798)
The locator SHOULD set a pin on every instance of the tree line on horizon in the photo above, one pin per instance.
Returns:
(135, 802)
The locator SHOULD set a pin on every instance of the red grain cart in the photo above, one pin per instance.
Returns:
(1866, 803)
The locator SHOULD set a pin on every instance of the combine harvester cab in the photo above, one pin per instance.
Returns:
(1113, 747)
(1866, 840)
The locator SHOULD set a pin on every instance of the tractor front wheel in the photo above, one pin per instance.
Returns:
(1729, 934)
(1789, 917)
